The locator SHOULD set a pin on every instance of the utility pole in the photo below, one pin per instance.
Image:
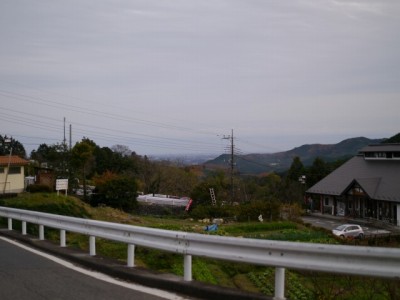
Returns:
(70, 137)
(232, 160)
(64, 140)
(64, 152)
(9, 141)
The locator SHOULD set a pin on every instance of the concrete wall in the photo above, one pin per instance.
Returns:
(15, 182)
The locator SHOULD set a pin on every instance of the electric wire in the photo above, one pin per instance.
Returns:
(116, 135)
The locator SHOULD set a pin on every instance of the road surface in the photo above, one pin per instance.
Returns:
(331, 223)
(26, 275)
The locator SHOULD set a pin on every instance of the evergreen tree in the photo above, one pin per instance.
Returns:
(296, 170)
(6, 143)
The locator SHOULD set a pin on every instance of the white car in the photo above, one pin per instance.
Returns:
(349, 230)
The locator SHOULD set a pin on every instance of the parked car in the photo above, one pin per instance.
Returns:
(349, 231)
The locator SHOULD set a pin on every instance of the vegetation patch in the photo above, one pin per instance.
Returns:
(244, 228)
(50, 203)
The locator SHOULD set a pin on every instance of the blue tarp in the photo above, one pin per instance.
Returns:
(213, 227)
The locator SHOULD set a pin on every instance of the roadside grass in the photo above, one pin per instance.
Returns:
(300, 285)
(50, 203)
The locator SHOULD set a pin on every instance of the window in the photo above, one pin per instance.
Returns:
(380, 154)
(15, 170)
(326, 201)
(1, 170)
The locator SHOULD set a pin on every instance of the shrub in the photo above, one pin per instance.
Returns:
(39, 188)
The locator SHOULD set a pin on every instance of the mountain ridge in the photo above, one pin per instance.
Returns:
(257, 163)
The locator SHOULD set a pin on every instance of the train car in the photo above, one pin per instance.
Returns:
(160, 199)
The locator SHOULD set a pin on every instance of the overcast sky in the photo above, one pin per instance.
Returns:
(176, 76)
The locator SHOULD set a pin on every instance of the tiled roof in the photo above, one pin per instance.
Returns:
(379, 179)
(14, 161)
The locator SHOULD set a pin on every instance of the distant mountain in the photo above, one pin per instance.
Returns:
(281, 161)
(393, 139)
(183, 159)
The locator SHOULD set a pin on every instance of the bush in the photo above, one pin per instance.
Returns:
(117, 192)
(7, 196)
(38, 188)
(250, 211)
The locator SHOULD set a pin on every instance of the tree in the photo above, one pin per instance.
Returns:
(6, 143)
(117, 191)
(175, 180)
(267, 187)
(292, 190)
(317, 171)
(121, 149)
(296, 170)
(216, 180)
(83, 159)
(56, 157)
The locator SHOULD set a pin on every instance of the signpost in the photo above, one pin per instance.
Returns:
(62, 184)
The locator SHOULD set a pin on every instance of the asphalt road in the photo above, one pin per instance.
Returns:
(26, 275)
(331, 223)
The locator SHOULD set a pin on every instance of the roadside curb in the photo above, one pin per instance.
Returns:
(115, 268)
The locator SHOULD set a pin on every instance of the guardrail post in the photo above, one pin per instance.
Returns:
(63, 238)
(23, 228)
(9, 224)
(92, 246)
(187, 268)
(41, 232)
(279, 284)
(131, 255)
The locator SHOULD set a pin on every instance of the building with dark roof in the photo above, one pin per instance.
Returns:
(367, 186)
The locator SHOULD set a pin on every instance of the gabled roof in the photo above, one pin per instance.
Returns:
(379, 179)
(369, 185)
(14, 161)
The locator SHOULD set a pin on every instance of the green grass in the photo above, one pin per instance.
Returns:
(296, 235)
(50, 203)
(246, 228)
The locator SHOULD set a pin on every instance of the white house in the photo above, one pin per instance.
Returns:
(12, 174)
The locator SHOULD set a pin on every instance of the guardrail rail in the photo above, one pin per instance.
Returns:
(351, 260)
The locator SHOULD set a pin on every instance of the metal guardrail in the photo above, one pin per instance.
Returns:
(352, 260)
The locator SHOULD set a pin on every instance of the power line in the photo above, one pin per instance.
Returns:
(37, 121)
(90, 111)
(42, 122)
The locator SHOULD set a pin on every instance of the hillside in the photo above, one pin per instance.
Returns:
(281, 161)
